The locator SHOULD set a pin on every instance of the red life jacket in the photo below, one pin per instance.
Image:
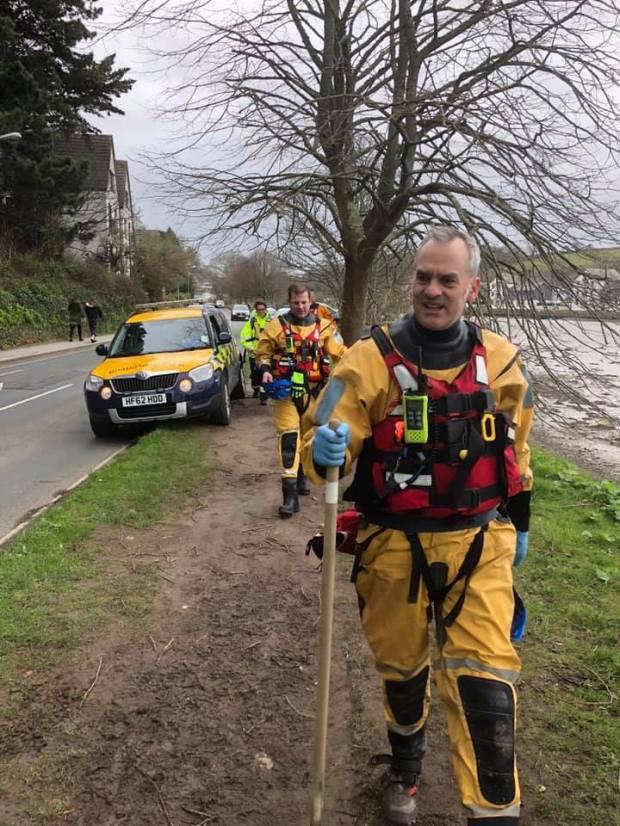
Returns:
(303, 353)
(467, 466)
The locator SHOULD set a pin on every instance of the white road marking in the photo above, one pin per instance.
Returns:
(1, 385)
(10, 372)
(38, 396)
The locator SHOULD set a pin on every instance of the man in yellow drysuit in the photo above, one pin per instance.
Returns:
(295, 349)
(437, 413)
(249, 337)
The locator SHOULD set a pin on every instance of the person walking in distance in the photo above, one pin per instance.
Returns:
(76, 314)
(249, 337)
(93, 315)
(295, 350)
(437, 413)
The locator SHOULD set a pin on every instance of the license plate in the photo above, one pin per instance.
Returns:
(147, 398)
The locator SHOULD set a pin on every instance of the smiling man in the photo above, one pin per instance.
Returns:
(437, 413)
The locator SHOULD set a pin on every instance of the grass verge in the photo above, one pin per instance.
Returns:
(54, 584)
(570, 687)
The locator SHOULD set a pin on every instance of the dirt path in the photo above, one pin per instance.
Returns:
(214, 727)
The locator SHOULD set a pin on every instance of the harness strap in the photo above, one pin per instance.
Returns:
(360, 548)
(381, 340)
(434, 579)
(475, 449)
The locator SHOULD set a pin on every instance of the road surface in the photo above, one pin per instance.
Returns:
(46, 443)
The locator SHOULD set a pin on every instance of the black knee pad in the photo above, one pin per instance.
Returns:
(490, 714)
(288, 448)
(406, 698)
(493, 821)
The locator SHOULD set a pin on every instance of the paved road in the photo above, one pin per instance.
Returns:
(46, 442)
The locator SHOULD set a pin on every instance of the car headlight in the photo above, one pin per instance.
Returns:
(185, 385)
(93, 383)
(202, 373)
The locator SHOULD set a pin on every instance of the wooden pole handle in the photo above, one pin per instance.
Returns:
(328, 579)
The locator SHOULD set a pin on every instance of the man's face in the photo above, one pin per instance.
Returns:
(300, 304)
(442, 284)
(261, 310)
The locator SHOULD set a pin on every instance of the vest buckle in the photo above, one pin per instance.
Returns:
(487, 427)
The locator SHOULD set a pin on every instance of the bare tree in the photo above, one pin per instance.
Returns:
(260, 275)
(389, 115)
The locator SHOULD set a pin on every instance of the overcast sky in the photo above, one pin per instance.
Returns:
(140, 131)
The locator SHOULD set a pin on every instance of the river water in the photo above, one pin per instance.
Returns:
(575, 367)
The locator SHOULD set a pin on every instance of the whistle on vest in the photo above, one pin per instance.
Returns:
(415, 418)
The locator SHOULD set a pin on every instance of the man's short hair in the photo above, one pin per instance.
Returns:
(258, 304)
(297, 289)
(444, 234)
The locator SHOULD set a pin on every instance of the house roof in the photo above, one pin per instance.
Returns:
(95, 150)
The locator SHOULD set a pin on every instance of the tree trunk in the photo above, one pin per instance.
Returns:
(355, 296)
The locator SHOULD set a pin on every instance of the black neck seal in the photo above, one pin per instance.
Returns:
(441, 349)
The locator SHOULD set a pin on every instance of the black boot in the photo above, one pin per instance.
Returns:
(290, 501)
(303, 486)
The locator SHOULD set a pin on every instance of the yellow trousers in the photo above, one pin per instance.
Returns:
(475, 669)
(288, 422)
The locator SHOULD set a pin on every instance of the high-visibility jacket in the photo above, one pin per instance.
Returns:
(289, 343)
(252, 331)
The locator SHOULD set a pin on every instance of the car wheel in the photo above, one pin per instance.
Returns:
(238, 391)
(221, 412)
(103, 428)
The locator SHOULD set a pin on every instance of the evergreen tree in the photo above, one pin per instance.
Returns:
(48, 84)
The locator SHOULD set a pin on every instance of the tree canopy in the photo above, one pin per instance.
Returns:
(49, 83)
(371, 120)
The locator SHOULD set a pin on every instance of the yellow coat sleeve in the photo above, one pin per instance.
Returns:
(513, 395)
(270, 343)
(332, 343)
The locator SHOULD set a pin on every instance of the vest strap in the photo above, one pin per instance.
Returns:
(434, 577)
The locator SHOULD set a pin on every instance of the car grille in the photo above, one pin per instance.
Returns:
(134, 385)
(146, 410)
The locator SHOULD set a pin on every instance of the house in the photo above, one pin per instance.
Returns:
(572, 288)
(105, 219)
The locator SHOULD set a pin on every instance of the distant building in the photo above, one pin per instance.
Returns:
(106, 222)
(573, 288)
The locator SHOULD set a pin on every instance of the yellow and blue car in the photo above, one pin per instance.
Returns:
(171, 360)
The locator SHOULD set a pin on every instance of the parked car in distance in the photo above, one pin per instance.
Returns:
(240, 312)
(168, 360)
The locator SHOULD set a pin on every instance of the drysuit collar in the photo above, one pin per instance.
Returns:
(440, 349)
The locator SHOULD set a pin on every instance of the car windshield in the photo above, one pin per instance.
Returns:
(169, 335)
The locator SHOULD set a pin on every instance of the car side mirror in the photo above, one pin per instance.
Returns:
(102, 350)
(224, 337)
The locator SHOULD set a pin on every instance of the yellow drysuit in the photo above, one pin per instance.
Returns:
(476, 666)
(272, 348)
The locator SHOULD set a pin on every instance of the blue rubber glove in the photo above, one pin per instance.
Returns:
(329, 447)
(521, 551)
